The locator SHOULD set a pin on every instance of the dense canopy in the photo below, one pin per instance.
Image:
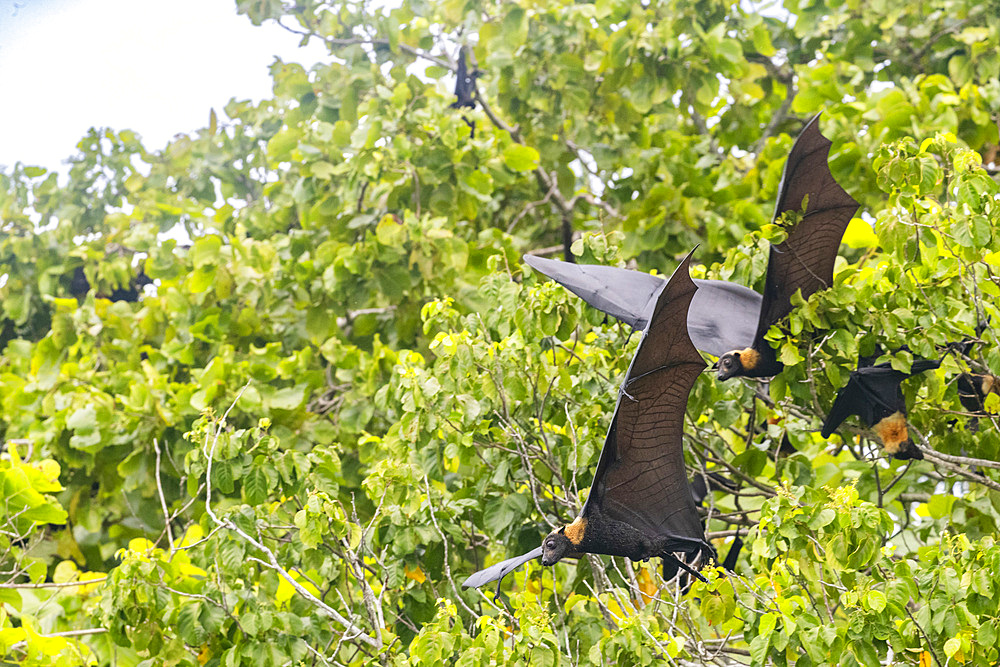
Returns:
(276, 388)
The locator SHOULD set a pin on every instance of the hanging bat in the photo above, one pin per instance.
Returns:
(701, 485)
(873, 393)
(465, 90)
(973, 388)
(725, 319)
(465, 84)
(722, 315)
(640, 504)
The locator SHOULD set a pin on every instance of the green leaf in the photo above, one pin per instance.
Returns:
(521, 158)
(875, 600)
(255, 487)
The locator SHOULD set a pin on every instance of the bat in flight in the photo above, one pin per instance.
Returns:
(873, 393)
(640, 504)
(726, 317)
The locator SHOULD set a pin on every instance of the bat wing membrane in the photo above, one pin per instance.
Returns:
(623, 294)
(641, 479)
(500, 570)
(722, 316)
(804, 260)
(873, 392)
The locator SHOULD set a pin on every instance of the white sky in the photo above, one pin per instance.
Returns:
(155, 67)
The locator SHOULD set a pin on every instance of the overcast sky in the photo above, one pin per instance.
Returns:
(155, 67)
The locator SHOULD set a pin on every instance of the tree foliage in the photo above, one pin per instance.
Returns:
(270, 393)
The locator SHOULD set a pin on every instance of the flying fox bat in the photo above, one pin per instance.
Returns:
(727, 317)
(873, 393)
(465, 90)
(804, 260)
(640, 504)
(973, 388)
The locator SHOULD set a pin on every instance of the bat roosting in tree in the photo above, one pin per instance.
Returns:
(640, 503)
(725, 317)
(973, 389)
(465, 89)
(873, 393)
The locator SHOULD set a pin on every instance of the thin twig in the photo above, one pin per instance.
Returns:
(163, 500)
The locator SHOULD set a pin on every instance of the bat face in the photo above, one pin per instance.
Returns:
(555, 547)
(737, 363)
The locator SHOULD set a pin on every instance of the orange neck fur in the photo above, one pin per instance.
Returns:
(749, 358)
(574, 531)
(892, 432)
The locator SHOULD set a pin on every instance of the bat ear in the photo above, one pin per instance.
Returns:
(562, 531)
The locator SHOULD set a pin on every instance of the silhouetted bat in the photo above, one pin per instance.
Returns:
(873, 393)
(465, 84)
(736, 315)
(640, 504)
(716, 482)
(700, 490)
(465, 90)
(722, 316)
(80, 286)
(973, 388)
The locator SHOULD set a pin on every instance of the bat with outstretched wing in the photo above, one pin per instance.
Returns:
(815, 212)
(640, 503)
(873, 393)
(727, 320)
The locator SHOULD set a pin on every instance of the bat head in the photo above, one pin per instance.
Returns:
(731, 364)
(908, 450)
(555, 547)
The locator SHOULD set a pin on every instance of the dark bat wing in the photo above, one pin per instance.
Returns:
(641, 479)
(734, 553)
(804, 260)
(500, 570)
(723, 316)
(850, 400)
